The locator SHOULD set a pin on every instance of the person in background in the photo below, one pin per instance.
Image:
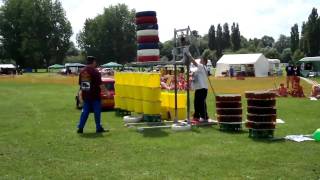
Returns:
(296, 70)
(297, 90)
(91, 86)
(315, 91)
(282, 91)
(231, 71)
(289, 71)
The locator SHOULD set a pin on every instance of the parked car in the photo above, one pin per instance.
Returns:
(107, 100)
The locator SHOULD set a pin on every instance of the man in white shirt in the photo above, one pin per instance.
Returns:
(200, 86)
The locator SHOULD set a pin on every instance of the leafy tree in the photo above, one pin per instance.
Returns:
(235, 37)
(243, 51)
(313, 33)
(226, 36)
(219, 41)
(212, 38)
(270, 53)
(267, 41)
(253, 44)
(203, 44)
(35, 32)
(282, 43)
(209, 54)
(286, 56)
(244, 42)
(166, 49)
(297, 55)
(304, 39)
(72, 51)
(111, 35)
(294, 38)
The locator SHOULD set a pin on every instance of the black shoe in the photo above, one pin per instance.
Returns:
(80, 131)
(102, 130)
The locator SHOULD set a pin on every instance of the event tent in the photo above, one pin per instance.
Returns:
(274, 66)
(111, 64)
(56, 66)
(73, 67)
(7, 66)
(252, 64)
(310, 66)
(7, 69)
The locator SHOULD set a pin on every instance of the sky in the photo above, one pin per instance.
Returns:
(256, 18)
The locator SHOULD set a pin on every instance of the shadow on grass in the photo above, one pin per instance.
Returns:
(154, 133)
(91, 135)
(233, 132)
(269, 140)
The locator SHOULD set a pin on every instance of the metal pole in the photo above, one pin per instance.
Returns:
(188, 93)
(175, 82)
(175, 95)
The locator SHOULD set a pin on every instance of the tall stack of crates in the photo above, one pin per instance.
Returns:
(147, 36)
(229, 112)
(262, 114)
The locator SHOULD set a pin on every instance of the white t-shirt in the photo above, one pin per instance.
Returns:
(200, 78)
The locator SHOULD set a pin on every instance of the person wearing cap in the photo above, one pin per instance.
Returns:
(91, 86)
(290, 73)
(200, 84)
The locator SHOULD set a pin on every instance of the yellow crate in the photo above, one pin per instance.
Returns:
(118, 90)
(138, 107)
(119, 79)
(165, 99)
(130, 104)
(127, 91)
(151, 94)
(164, 113)
(123, 103)
(182, 113)
(137, 92)
(181, 100)
(151, 107)
(154, 80)
(139, 79)
(117, 103)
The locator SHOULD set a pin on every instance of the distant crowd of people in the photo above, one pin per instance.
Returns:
(168, 80)
(293, 87)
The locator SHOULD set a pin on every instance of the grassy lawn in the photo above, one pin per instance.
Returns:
(38, 139)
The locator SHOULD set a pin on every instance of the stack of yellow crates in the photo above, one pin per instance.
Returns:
(151, 93)
(168, 105)
(138, 92)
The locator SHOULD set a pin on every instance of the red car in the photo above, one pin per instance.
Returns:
(107, 101)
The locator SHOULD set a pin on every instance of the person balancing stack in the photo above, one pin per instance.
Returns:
(147, 36)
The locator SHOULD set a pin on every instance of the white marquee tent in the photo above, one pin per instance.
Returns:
(257, 64)
(274, 66)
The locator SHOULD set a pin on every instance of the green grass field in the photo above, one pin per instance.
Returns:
(38, 139)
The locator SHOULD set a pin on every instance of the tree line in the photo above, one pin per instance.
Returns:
(289, 49)
(36, 33)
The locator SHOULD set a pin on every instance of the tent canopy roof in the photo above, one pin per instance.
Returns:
(74, 65)
(239, 58)
(310, 59)
(56, 66)
(9, 66)
(274, 61)
(111, 64)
